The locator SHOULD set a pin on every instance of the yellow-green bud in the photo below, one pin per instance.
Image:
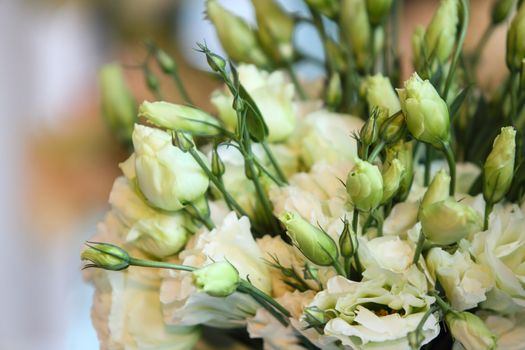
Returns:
(364, 185)
(334, 91)
(217, 165)
(440, 35)
(105, 256)
(470, 331)
(218, 279)
(392, 177)
(314, 243)
(178, 117)
(152, 81)
(418, 42)
(329, 8)
(336, 56)
(403, 152)
(516, 40)
(380, 93)
(498, 170)
(354, 24)
(118, 105)
(275, 30)
(166, 63)
(368, 133)
(448, 221)
(501, 10)
(393, 128)
(437, 190)
(182, 141)
(346, 246)
(216, 62)
(237, 38)
(426, 113)
(378, 10)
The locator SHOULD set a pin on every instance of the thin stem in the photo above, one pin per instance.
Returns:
(380, 220)
(339, 268)
(428, 163)
(274, 162)
(419, 247)
(180, 87)
(447, 150)
(355, 220)
(514, 81)
(296, 82)
(441, 303)
(488, 209)
(160, 264)
(476, 55)
(256, 291)
(375, 152)
(371, 43)
(204, 220)
(459, 47)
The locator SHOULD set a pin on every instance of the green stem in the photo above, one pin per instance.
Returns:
(339, 268)
(203, 219)
(160, 264)
(476, 55)
(355, 220)
(428, 163)
(180, 86)
(459, 47)
(447, 150)
(488, 209)
(371, 43)
(441, 303)
(514, 81)
(375, 152)
(419, 247)
(380, 221)
(296, 82)
(274, 162)
(256, 291)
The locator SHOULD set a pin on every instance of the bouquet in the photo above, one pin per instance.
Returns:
(353, 216)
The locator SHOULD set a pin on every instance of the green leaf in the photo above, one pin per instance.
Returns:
(458, 101)
(257, 128)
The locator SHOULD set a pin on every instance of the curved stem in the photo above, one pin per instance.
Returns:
(375, 152)
(250, 288)
(296, 82)
(274, 162)
(447, 150)
(419, 247)
(180, 86)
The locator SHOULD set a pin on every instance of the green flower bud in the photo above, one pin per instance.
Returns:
(418, 42)
(314, 243)
(426, 113)
(378, 10)
(437, 190)
(275, 30)
(178, 117)
(501, 10)
(380, 93)
(218, 279)
(364, 185)
(152, 81)
(217, 165)
(470, 331)
(105, 256)
(166, 63)
(329, 8)
(216, 62)
(368, 133)
(182, 141)
(498, 170)
(237, 38)
(336, 57)
(167, 176)
(392, 177)
(440, 35)
(393, 128)
(516, 40)
(334, 91)
(355, 27)
(448, 221)
(346, 246)
(118, 105)
(403, 152)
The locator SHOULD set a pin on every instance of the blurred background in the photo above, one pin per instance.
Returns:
(58, 161)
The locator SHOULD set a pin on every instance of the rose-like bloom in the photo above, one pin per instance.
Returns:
(441, 32)
(425, 111)
(364, 185)
(498, 170)
(516, 40)
(230, 241)
(325, 136)
(179, 117)
(272, 94)
(380, 93)
(218, 279)
(388, 252)
(167, 176)
(470, 331)
(354, 22)
(464, 281)
(157, 232)
(502, 250)
(400, 301)
(448, 221)
(237, 38)
(402, 151)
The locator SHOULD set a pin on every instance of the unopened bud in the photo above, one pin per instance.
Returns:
(392, 177)
(501, 10)
(403, 152)
(182, 141)
(151, 80)
(437, 190)
(334, 91)
(105, 256)
(380, 93)
(218, 279)
(216, 62)
(217, 165)
(516, 40)
(346, 246)
(329, 8)
(251, 172)
(440, 35)
(335, 57)
(378, 10)
(369, 133)
(418, 51)
(498, 170)
(364, 185)
(470, 331)
(315, 244)
(354, 23)
(393, 128)
(166, 63)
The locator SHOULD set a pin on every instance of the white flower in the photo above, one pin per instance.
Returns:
(465, 282)
(387, 252)
(327, 136)
(401, 219)
(231, 241)
(502, 250)
(400, 304)
(510, 330)
(271, 93)
(158, 233)
(166, 175)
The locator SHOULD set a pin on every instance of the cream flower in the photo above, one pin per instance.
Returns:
(502, 250)
(273, 96)
(465, 282)
(510, 330)
(388, 252)
(401, 303)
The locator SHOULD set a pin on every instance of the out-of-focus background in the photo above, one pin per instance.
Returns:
(58, 161)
